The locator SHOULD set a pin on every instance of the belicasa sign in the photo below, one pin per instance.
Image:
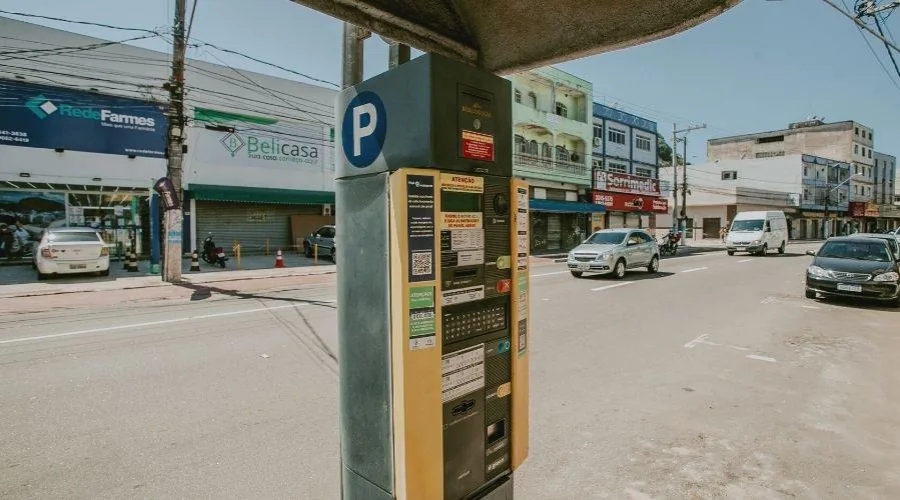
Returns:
(167, 192)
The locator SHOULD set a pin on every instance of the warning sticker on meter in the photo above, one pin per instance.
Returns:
(462, 372)
(462, 183)
(461, 220)
(467, 239)
(462, 295)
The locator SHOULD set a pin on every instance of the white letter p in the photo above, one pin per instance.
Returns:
(358, 130)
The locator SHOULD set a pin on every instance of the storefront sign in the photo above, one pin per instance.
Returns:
(40, 116)
(863, 209)
(477, 146)
(620, 116)
(615, 202)
(624, 183)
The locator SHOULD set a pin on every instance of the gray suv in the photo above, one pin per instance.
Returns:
(323, 238)
(612, 251)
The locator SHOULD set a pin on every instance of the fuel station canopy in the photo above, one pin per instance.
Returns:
(506, 36)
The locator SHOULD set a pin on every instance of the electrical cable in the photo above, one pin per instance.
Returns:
(16, 54)
(87, 23)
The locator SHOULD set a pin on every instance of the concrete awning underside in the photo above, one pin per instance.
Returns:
(506, 36)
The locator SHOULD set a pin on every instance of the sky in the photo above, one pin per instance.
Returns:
(757, 67)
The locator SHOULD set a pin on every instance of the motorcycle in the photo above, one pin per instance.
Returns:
(212, 254)
(669, 245)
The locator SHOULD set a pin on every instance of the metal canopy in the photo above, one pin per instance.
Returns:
(506, 36)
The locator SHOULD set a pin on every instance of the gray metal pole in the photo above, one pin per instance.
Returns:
(352, 65)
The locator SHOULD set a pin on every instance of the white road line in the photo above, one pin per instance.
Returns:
(157, 323)
(548, 274)
(694, 269)
(811, 307)
(761, 358)
(744, 260)
(698, 340)
(739, 348)
(607, 287)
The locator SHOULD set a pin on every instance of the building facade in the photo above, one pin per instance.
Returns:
(625, 169)
(885, 178)
(552, 137)
(812, 191)
(258, 167)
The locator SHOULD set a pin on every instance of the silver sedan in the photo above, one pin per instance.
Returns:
(613, 251)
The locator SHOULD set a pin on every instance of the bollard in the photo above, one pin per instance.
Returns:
(195, 262)
(316, 253)
(299, 247)
(279, 259)
(237, 255)
(125, 259)
(132, 262)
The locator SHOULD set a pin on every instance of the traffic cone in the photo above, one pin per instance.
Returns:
(195, 262)
(132, 263)
(279, 260)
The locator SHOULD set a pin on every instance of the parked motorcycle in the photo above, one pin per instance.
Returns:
(669, 245)
(212, 254)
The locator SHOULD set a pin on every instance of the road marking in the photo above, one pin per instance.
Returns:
(744, 260)
(811, 307)
(157, 323)
(761, 358)
(768, 300)
(607, 287)
(548, 274)
(694, 269)
(739, 348)
(699, 340)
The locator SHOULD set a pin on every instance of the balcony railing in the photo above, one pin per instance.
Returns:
(549, 164)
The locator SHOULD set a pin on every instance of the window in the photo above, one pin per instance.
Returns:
(769, 154)
(545, 149)
(856, 149)
(617, 167)
(868, 171)
(615, 135)
(775, 138)
(642, 142)
(521, 147)
(870, 153)
(533, 98)
(598, 130)
(533, 147)
(729, 175)
(597, 164)
(805, 171)
(643, 172)
(518, 96)
(562, 154)
(864, 151)
(856, 169)
(562, 110)
(856, 130)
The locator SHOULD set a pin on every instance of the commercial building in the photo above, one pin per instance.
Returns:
(805, 187)
(625, 168)
(885, 178)
(258, 167)
(552, 137)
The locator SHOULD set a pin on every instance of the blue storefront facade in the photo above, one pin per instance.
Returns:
(79, 158)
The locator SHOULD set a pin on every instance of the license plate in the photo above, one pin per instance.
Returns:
(77, 266)
(584, 266)
(849, 288)
(741, 249)
(221, 255)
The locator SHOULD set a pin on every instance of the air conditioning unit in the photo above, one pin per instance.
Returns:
(575, 157)
(597, 141)
(326, 209)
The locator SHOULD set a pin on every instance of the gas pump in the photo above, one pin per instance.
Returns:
(432, 285)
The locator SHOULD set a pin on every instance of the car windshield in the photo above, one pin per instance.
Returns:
(747, 225)
(73, 237)
(610, 238)
(858, 250)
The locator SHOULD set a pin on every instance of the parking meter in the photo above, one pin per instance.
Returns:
(432, 285)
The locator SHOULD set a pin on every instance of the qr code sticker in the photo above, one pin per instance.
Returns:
(421, 263)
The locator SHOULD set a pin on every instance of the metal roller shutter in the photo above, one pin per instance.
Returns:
(632, 220)
(251, 224)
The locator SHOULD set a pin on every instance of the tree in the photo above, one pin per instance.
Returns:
(664, 151)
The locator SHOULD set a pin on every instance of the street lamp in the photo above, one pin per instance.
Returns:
(828, 191)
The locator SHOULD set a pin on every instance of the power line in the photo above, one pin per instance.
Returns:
(73, 21)
(859, 27)
(31, 53)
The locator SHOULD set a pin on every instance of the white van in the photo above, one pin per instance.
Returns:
(757, 233)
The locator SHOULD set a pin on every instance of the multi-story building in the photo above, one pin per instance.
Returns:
(846, 141)
(552, 136)
(805, 187)
(885, 178)
(625, 169)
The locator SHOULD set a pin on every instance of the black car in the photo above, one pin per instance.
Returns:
(854, 266)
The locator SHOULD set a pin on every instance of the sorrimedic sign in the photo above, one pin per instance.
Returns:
(624, 183)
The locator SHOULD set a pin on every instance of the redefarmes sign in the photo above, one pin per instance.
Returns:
(624, 183)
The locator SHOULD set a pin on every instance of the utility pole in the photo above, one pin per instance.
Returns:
(683, 216)
(352, 55)
(827, 200)
(172, 264)
(675, 177)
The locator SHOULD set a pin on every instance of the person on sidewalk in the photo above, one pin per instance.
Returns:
(722, 234)
(21, 238)
(6, 240)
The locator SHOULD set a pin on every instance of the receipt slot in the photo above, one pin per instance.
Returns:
(432, 286)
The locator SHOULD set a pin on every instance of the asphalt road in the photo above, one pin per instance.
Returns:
(712, 379)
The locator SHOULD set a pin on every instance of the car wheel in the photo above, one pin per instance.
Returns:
(577, 274)
(103, 273)
(895, 302)
(765, 250)
(307, 250)
(730, 252)
(654, 265)
(810, 294)
(41, 276)
(222, 264)
(782, 248)
(619, 269)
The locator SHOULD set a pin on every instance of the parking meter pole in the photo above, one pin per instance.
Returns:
(154, 233)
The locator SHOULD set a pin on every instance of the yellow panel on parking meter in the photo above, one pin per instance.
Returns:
(433, 286)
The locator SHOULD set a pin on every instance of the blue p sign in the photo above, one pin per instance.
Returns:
(363, 129)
